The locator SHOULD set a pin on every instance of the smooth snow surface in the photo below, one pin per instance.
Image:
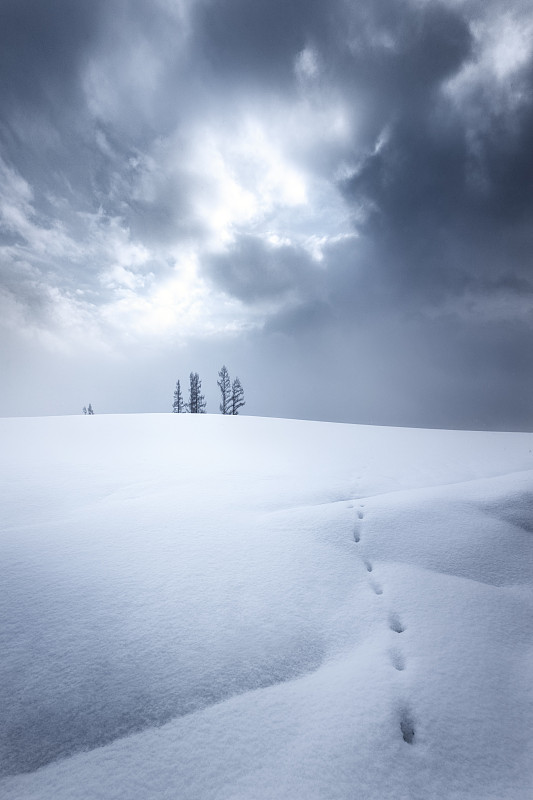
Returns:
(199, 606)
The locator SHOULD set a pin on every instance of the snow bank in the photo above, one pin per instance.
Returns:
(228, 607)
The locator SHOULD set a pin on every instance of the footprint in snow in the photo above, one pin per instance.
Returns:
(368, 566)
(376, 587)
(407, 727)
(360, 515)
(395, 624)
(356, 536)
(397, 660)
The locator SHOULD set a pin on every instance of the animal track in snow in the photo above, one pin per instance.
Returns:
(360, 515)
(407, 727)
(368, 566)
(395, 624)
(356, 535)
(376, 587)
(397, 660)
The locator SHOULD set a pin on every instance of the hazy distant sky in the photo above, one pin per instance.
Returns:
(335, 199)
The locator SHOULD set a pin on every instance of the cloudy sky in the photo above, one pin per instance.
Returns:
(335, 199)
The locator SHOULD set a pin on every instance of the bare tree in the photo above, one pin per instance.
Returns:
(179, 405)
(197, 402)
(224, 385)
(237, 396)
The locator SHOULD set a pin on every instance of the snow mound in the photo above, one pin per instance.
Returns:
(201, 606)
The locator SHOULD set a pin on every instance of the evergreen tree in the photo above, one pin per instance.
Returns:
(179, 406)
(224, 385)
(84, 409)
(237, 396)
(197, 402)
(90, 409)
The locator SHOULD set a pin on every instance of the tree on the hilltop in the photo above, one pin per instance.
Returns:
(179, 405)
(84, 409)
(224, 385)
(237, 397)
(90, 409)
(197, 402)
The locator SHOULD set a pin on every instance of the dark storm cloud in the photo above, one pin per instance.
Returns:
(54, 57)
(446, 195)
(41, 48)
(255, 270)
(442, 218)
(257, 42)
(74, 129)
(443, 203)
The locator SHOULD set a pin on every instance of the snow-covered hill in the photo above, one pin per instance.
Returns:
(230, 607)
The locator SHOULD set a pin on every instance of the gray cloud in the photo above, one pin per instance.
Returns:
(42, 50)
(255, 270)
(312, 182)
(432, 222)
(255, 44)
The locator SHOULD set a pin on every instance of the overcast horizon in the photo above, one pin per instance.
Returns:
(333, 199)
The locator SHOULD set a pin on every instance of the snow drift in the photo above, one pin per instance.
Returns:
(230, 607)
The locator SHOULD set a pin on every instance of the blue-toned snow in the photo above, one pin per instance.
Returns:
(198, 607)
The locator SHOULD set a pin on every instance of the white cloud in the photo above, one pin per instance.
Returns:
(182, 306)
(306, 64)
(120, 277)
(503, 47)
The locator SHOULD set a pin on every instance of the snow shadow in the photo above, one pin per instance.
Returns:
(75, 678)
(516, 509)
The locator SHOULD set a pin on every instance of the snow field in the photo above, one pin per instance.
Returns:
(211, 607)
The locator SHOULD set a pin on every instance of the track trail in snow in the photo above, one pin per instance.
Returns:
(395, 624)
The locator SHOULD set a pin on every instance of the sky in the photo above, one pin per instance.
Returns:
(333, 199)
